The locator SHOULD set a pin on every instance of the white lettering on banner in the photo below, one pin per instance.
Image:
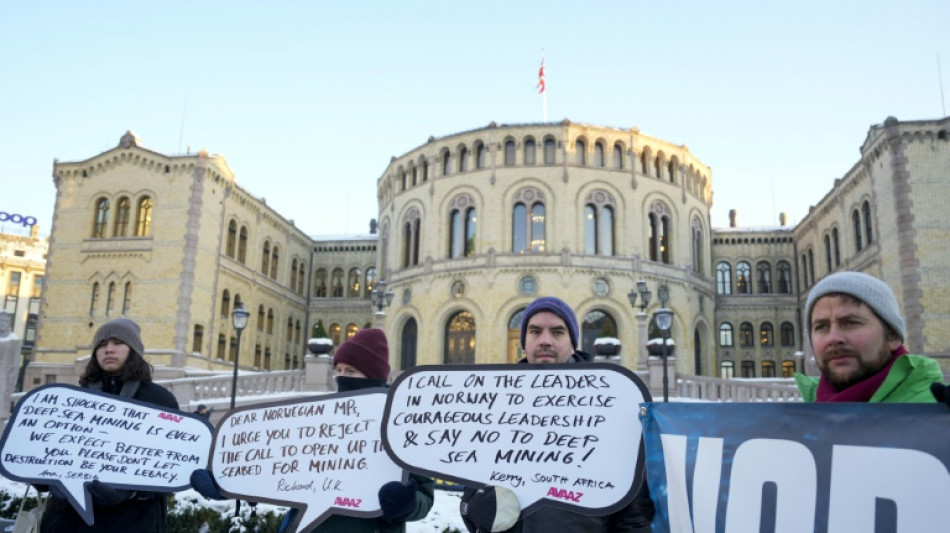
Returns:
(916, 481)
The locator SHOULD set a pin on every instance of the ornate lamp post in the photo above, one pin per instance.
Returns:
(239, 320)
(644, 292)
(664, 321)
(381, 297)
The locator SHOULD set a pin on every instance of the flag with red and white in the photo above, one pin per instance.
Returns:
(541, 77)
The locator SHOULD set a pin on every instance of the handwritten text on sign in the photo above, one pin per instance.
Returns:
(67, 436)
(551, 433)
(324, 455)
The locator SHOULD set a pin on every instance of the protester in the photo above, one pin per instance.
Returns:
(857, 333)
(549, 334)
(203, 410)
(361, 362)
(116, 367)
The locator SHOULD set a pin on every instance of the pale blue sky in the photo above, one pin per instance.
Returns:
(309, 100)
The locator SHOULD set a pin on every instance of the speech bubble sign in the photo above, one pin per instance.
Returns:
(324, 455)
(564, 435)
(67, 436)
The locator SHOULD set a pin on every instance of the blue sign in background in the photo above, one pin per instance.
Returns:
(798, 467)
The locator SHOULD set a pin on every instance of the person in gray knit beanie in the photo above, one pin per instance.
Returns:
(873, 292)
(121, 329)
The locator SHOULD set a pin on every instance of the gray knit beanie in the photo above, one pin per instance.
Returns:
(551, 305)
(121, 329)
(870, 290)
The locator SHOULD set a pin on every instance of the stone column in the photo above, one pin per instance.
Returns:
(641, 341)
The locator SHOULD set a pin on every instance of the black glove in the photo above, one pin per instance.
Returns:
(106, 496)
(941, 392)
(203, 482)
(396, 499)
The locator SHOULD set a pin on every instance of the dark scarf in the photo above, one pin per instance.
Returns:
(347, 384)
(112, 385)
(861, 391)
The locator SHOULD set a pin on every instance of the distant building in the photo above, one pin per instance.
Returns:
(22, 270)
(472, 227)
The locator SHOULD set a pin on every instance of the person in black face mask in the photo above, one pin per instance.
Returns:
(362, 362)
(116, 367)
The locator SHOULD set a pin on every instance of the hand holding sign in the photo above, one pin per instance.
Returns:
(66, 437)
(324, 455)
(562, 435)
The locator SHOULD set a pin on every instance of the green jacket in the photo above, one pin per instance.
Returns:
(908, 382)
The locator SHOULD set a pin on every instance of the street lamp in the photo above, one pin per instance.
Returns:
(644, 293)
(381, 297)
(239, 320)
(664, 321)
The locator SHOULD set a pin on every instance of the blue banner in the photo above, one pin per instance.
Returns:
(762, 468)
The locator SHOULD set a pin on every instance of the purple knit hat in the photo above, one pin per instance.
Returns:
(551, 305)
(366, 351)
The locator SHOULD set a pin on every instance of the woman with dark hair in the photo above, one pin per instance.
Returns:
(116, 367)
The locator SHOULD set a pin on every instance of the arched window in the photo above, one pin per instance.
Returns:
(727, 370)
(599, 159)
(696, 231)
(866, 210)
(804, 270)
(407, 344)
(94, 298)
(446, 163)
(270, 321)
(811, 265)
(225, 304)
(336, 283)
(784, 271)
(261, 318)
(660, 232)
(222, 344)
(764, 274)
(618, 156)
(835, 244)
(597, 323)
(300, 278)
(463, 159)
(529, 152)
(242, 245)
(788, 369)
(509, 153)
(232, 239)
(514, 351)
(745, 335)
(265, 258)
(411, 238)
(748, 369)
(425, 178)
(127, 299)
(336, 334)
(198, 338)
(320, 283)
(354, 283)
(480, 155)
(599, 224)
(743, 278)
(828, 257)
(351, 330)
(273, 262)
(766, 334)
(787, 334)
(102, 219)
(462, 221)
(293, 274)
(460, 339)
(725, 334)
(856, 223)
(549, 146)
(122, 212)
(723, 278)
(768, 369)
(143, 217)
(528, 223)
(580, 153)
(290, 330)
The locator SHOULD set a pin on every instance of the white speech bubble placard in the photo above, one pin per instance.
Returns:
(323, 455)
(67, 436)
(564, 435)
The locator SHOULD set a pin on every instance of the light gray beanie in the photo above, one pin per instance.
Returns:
(122, 329)
(870, 290)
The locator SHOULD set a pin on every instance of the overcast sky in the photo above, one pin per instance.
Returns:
(308, 101)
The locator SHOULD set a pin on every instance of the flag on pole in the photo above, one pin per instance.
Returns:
(541, 76)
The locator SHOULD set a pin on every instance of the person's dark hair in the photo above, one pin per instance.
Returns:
(136, 368)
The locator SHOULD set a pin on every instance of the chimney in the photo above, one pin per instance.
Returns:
(732, 218)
